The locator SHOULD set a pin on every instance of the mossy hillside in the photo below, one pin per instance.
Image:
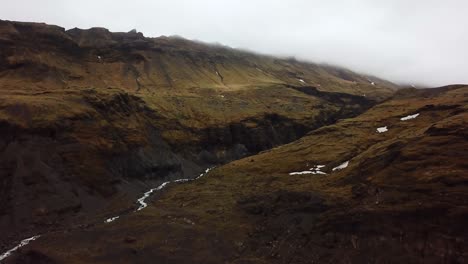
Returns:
(402, 188)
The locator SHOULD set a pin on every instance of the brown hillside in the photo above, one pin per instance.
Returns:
(402, 199)
(89, 119)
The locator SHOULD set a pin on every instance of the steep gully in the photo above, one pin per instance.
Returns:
(143, 204)
(126, 104)
(140, 201)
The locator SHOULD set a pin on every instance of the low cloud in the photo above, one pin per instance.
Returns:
(414, 42)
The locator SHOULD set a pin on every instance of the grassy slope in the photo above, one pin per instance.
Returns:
(402, 199)
(87, 116)
(191, 83)
(63, 82)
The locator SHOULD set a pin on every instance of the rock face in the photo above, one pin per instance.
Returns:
(89, 119)
(402, 198)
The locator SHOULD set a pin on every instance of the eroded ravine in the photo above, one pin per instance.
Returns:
(142, 200)
(142, 205)
(370, 192)
(23, 243)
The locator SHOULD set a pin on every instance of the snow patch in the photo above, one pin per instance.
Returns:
(112, 219)
(318, 172)
(23, 243)
(301, 172)
(314, 170)
(302, 81)
(317, 169)
(409, 117)
(342, 166)
(382, 129)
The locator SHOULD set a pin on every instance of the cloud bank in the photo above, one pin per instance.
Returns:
(415, 42)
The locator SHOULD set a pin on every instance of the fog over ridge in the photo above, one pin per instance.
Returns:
(415, 42)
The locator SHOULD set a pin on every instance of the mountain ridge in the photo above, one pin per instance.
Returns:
(90, 120)
(90, 46)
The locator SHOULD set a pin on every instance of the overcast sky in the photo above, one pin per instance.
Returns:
(411, 41)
